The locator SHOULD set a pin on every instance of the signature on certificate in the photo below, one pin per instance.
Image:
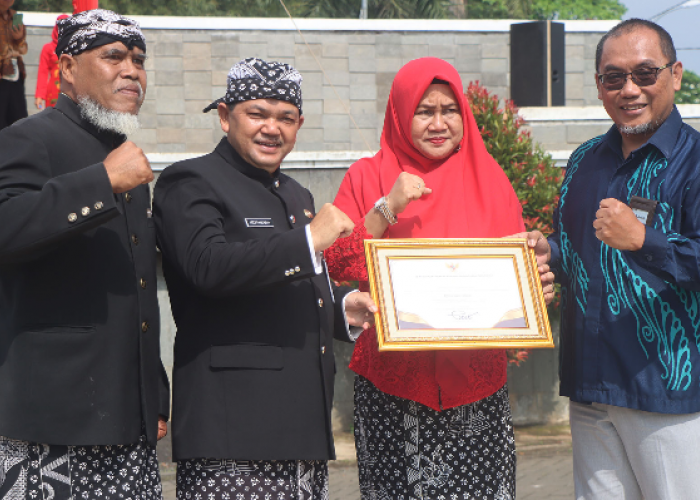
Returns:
(463, 316)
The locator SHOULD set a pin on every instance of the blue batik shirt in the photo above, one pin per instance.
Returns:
(630, 321)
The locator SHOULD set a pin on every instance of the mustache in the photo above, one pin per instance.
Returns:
(276, 142)
(132, 84)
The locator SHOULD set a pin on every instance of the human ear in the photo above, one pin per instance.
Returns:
(67, 65)
(677, 69)
(222, 109)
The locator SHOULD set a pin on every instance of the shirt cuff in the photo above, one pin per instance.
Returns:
(353, 331)
(653, 252)
(316, 257)
(555, 254)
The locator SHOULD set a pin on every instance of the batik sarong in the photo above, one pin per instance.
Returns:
(408, 451)
(207, 479)
(33, 471)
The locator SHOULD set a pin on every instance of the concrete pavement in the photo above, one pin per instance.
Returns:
(544, 470)
(545, 476)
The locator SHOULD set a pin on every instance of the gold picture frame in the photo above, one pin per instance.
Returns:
(457, 294)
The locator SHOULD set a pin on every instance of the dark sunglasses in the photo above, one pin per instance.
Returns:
(642, 77)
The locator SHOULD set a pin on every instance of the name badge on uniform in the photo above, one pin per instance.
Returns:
(259, 222)
(644, 209)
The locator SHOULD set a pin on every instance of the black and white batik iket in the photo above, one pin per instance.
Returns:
(408, 451)
(32, 471)
(208, 479)
(254, 78)
(92, 28)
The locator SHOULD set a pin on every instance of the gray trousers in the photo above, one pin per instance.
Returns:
(626, 454)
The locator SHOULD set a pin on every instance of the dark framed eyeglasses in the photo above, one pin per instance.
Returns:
(642, 77)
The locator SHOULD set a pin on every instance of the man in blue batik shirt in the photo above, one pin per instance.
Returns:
(627, 253)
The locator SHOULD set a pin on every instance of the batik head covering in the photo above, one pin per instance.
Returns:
(94, 28)
(254, 78)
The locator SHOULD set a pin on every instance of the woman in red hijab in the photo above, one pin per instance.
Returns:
(48, 81)
(428, 424)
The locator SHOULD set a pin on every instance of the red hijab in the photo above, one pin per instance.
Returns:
(54, 39)
(471, 198)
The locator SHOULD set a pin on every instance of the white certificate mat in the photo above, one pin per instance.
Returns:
(457, 294)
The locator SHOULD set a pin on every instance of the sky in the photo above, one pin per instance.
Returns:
(682, 25)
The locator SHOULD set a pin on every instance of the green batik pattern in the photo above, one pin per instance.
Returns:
(658, 326)
(571, 262)
(659, 329)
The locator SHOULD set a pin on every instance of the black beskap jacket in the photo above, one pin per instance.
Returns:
(254, 366)
(79, 319)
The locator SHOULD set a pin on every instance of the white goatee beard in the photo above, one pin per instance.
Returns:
(107, 119)
(644, 128)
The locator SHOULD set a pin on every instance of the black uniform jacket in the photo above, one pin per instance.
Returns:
(79, 320)
(254, 366)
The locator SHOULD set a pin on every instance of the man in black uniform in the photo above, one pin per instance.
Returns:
(255, 310)
(80, 367)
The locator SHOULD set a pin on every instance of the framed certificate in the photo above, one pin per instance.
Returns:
(456, 294)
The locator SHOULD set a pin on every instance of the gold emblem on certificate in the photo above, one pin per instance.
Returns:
(457, 294)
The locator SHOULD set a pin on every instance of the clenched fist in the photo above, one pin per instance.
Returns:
(618, 227)
(127, 167)
(408, 187)
(329, 224)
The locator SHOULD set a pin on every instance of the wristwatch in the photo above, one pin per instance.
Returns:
(383, 206)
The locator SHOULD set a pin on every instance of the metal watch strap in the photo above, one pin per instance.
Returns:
(384, 209)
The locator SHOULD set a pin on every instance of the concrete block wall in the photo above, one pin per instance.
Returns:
(580, 69)
(189, 58)
(566, 128)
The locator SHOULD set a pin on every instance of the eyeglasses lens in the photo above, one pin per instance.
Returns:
(641, 77)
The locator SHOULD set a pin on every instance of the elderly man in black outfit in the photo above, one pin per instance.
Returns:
(81, 381)
(255, 310)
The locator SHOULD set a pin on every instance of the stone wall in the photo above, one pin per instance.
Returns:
(563, 129)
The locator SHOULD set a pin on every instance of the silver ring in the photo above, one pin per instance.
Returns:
(418, 186)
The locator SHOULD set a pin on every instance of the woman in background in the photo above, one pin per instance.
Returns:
(48, 81)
